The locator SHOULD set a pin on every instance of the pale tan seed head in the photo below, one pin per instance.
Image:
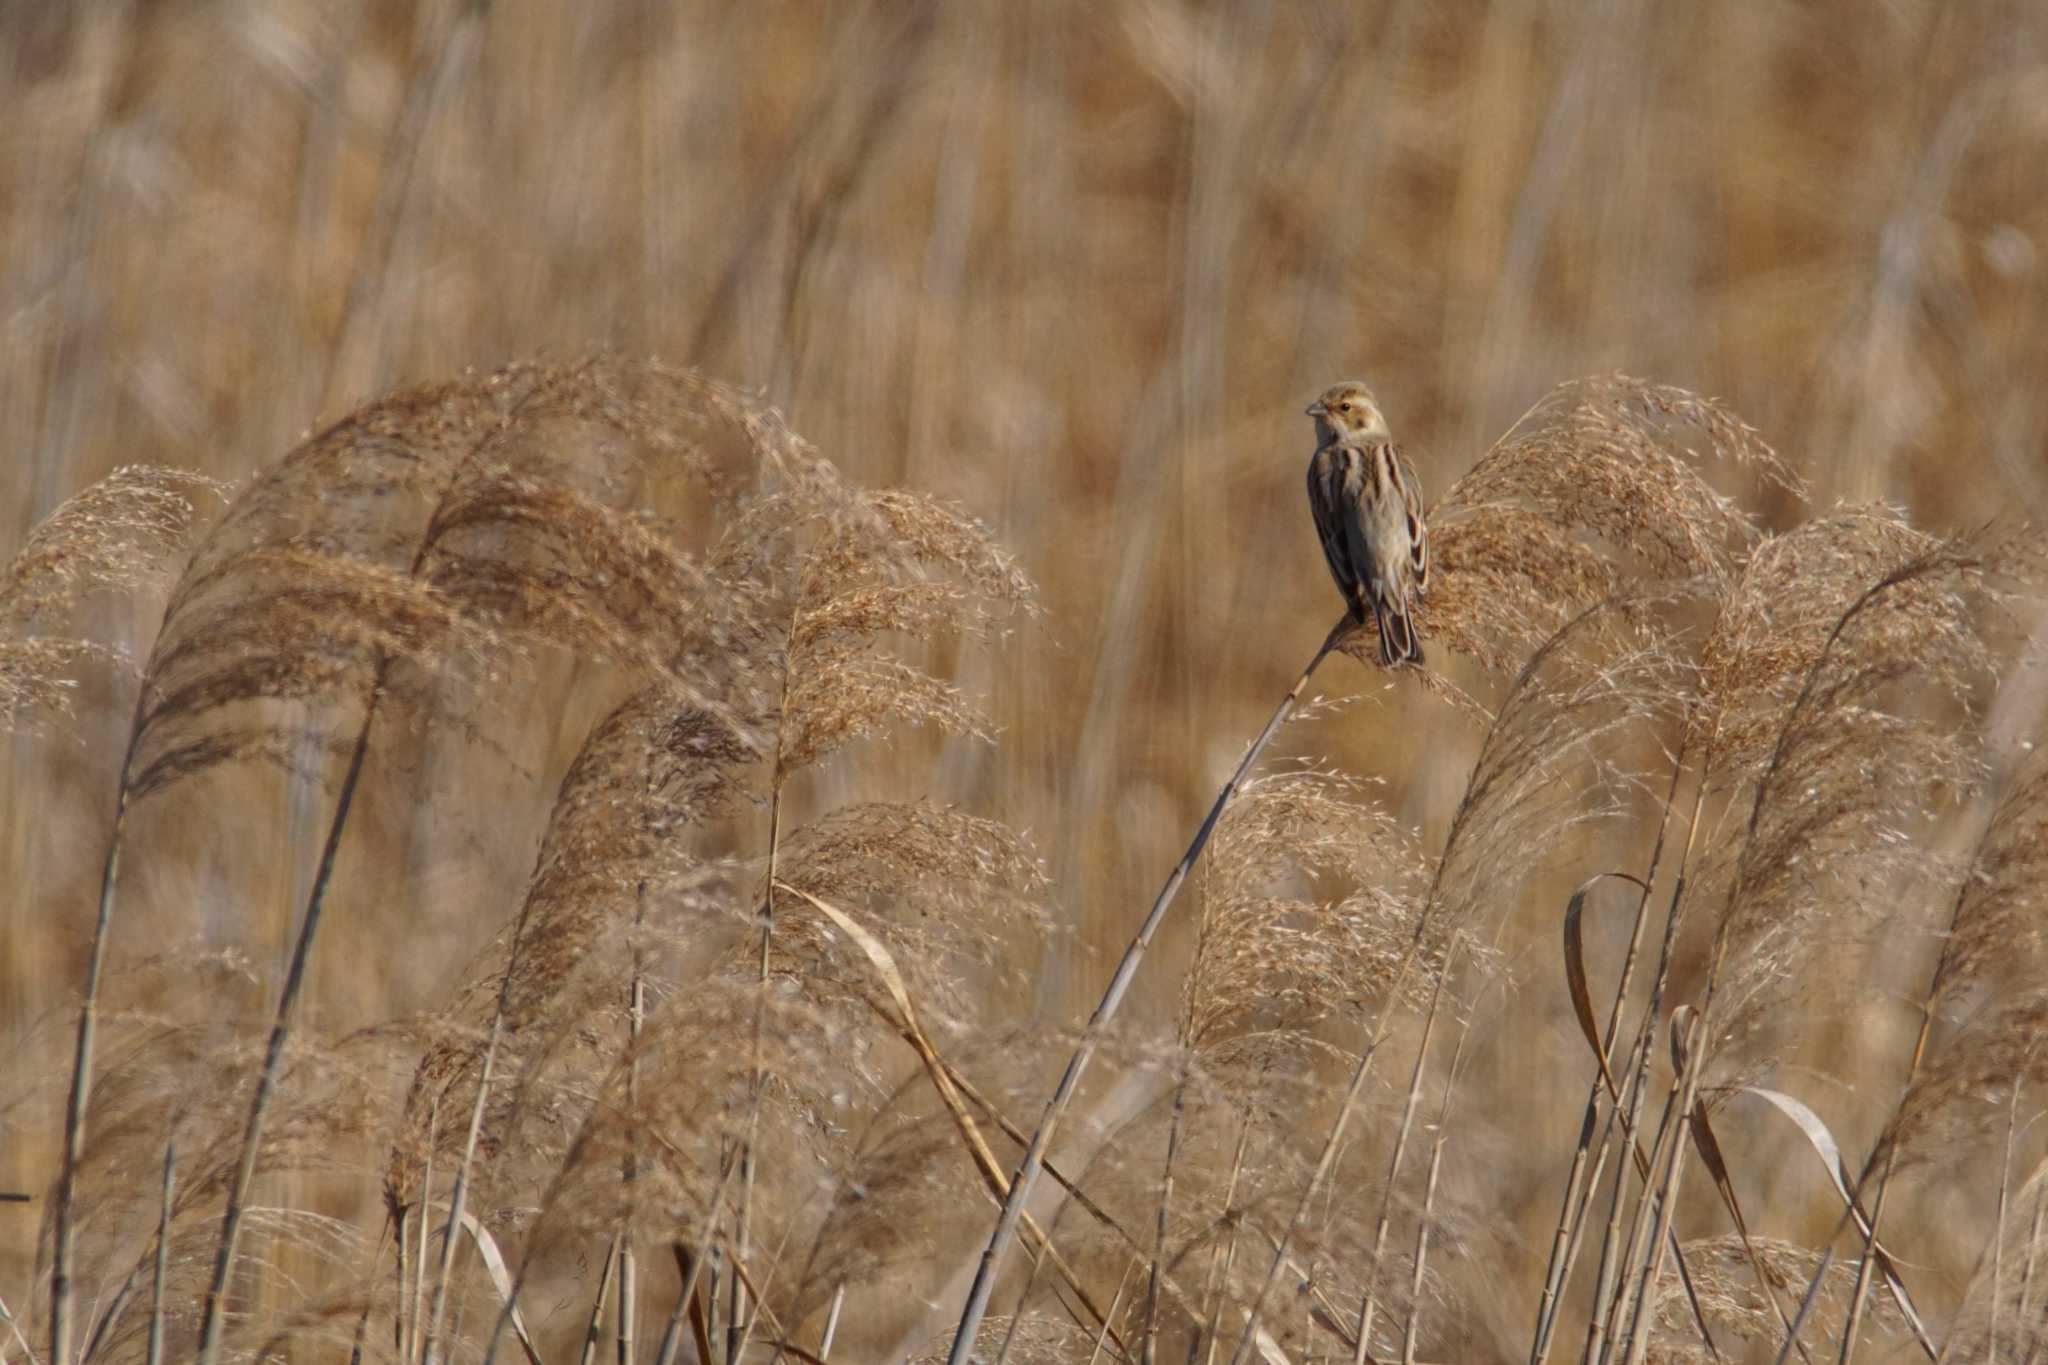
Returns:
(1348, 412)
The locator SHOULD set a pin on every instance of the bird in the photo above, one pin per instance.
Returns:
(1367, 505)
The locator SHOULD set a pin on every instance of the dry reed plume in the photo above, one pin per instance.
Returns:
(1724, 757)
(747, 1069)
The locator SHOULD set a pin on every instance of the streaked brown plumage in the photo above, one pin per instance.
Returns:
(1368, 509)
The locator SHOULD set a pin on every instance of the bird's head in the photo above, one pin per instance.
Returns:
(1348, 413)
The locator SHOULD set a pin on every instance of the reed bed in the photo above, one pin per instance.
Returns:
(678, 860)
(745, 1071)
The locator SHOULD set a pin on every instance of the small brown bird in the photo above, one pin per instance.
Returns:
(1368, 509)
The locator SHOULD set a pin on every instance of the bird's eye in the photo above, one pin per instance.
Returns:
(1344, 407)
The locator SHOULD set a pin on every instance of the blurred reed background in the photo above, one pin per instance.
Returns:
(1074, 267)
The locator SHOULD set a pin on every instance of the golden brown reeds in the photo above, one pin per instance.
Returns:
(756, 1016)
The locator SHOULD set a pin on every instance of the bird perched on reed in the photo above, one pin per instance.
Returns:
(1368, 509)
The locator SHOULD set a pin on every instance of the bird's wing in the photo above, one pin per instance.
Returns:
(1332, 510)
(1363, 506)
(1411, 506)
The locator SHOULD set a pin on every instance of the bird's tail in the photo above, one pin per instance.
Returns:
(1399, 644)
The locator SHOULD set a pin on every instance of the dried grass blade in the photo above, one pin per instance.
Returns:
(781, 1341)
(1017, 1135)
(1709, 1149)
(14, 1329)
(1115, 1302)
(884, 963)
(501, 1280)
(458, 1196)
(1717, 1165)
(1830, 1153)
(1579, 1186)
(689, 1269)
(1102, 1216)
(1575, 967)
(104, 1319)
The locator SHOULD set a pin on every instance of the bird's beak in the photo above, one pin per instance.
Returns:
(1316, 409)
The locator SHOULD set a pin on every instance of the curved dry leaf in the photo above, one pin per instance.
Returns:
(1818, 1137)
(1575, 965)
(495, 1267)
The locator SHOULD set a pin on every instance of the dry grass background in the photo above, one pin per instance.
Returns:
(1074, 270)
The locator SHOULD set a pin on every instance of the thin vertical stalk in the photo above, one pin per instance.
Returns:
(458, 1194)
(714, 1273)
(280, 1031)
(831, 1322)
(736, 1317)
(1408, 1107)
(1693, 1035)
(629, 1165)
(692, 1268)
(393, 1224)
(1436, 1160)
(2027, 1274)
(1222, 1255)
(1573, 1219)
(401, 1347)
(1332, 1143)
(1579, 1185)
(1806, 1302)
(1929, 1002)
(595, 1328)
(80, 1098)
(1635, 1088)
(163, 1256)
(1149, 1347)
(2012, 1121)
(1884, 1188)
(1617, 1253)
(417, 1337)
(1334, 1140)
(569, 1163)
(1044, 1254)
(1633, 1265)
(1120, 982)
(629, 1300)
(1115, 1300)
